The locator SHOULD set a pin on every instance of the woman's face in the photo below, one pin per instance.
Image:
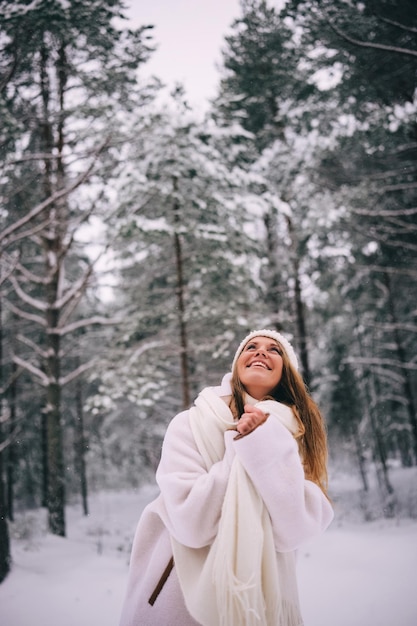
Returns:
(259, 366)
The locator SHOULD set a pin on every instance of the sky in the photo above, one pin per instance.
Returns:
(190, 35)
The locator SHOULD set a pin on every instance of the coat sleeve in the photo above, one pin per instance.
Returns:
(298, 508)
(192, 496)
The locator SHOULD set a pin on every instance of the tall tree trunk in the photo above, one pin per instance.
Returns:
(44, 455)
(185, 385)
(299, 305)
(5, 557)
(80, 446)
(360, 458)
(370, 394)
(274, 295)
(380, 456)
(53, 243)
(407, 391)
(56, 478)
(11, 456)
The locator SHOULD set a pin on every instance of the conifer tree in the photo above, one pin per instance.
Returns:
(67, 78)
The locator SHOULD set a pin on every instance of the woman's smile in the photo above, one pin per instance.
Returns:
(259, 366)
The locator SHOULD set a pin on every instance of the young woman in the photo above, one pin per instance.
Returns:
(242, 482)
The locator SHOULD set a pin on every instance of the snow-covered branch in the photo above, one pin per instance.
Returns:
(31, 232)
(44, 380)
(91, 321)
(12, 264)
(144, 348)
(34, 278)
(357, 360)
(77, 372)
(35, 303)
(8, 234)
(76, 289)
(401, 271)
(31, 317)
(31, 344)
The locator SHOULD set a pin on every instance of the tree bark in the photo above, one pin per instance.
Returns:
(185, 385)
(273, 295)
(299, 306)
(5, 557)
(52, 242)
(407, 390)
(370, 393)
(360, 458)
(80, 444)
(44, 455)
(11, 456)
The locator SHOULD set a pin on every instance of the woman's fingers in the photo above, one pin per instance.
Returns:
(251, 419)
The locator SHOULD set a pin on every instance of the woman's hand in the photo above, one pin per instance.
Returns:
(251, 419)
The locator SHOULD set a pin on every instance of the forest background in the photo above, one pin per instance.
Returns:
(140, 242)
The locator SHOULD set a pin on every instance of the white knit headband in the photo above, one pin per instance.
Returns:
(273, 334)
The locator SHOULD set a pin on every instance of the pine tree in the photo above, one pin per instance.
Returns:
(67, 79)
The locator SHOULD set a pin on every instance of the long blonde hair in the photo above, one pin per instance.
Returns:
(312, 436)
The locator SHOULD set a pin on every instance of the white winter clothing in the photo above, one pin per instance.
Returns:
(188, 510)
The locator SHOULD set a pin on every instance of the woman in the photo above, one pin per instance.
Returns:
(242, 482)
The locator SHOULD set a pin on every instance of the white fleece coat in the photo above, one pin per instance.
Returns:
(190, 502)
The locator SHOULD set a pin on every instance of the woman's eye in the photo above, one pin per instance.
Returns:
(274, 349)
(250, 346)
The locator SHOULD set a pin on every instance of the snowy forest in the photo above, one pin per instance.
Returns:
(140, 241)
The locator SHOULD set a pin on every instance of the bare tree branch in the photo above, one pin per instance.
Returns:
(14, 376)
(10, 438)
(399, 187)
(368, 44)
(409, 29)
(405, 326)
(386, 213)
(401, 271)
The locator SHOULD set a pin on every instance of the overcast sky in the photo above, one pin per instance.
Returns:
(190, 35)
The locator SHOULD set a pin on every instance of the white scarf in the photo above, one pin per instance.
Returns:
(238, 580)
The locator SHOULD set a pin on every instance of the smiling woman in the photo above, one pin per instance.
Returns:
(242, 486)
(259, 366)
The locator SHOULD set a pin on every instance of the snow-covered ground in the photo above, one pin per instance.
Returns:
(356, 574)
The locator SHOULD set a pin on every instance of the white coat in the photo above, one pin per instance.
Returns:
(189, 506)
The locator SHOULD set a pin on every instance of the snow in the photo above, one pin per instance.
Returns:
(355, 574)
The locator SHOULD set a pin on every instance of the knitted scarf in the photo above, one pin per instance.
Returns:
(240, 578)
